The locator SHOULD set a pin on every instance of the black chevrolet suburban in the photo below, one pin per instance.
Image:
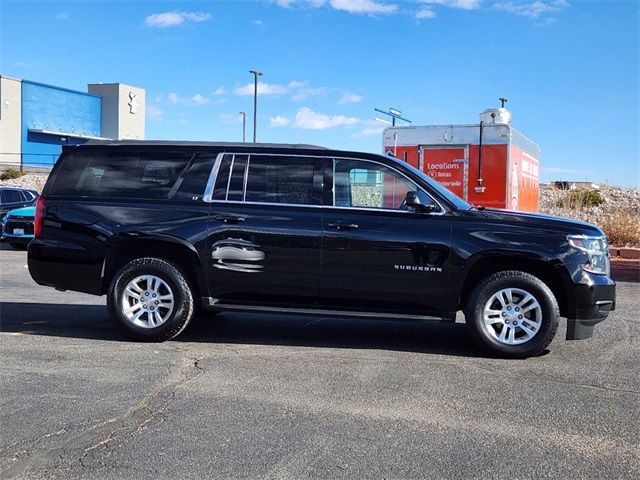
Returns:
(166, 229)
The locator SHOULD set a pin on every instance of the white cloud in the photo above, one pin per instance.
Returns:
(363, 7)
(279, 121)
(23, 64)
(545, 23)
(533, 9)
(153, 112)
(173, 98)
(304, 93)
(263, 89)
(459, 4)
(175, 19)
(62, 16)
(196, 99)
(369, 7)
(219, 91)
(310, 120)
(425, 13)
(349, 98)
(257, 23)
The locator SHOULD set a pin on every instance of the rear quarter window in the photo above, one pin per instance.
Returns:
(111, 173)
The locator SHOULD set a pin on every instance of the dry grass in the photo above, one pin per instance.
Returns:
(10, 173)
(580, 198)
(621, 228)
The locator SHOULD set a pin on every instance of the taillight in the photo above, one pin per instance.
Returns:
(37, 221)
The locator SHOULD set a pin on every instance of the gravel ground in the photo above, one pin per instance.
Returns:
(615, 200)
(32, 181)
(288, 397)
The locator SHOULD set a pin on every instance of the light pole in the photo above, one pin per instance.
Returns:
(256, 74)
(244, 125)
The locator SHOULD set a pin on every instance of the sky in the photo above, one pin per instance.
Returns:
(568, 68)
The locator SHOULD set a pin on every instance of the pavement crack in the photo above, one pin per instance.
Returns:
(71, 455)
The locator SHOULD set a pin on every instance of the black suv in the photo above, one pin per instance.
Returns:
(168, 228)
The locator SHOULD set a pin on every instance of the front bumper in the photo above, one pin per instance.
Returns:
(593, 298)
(21, 239)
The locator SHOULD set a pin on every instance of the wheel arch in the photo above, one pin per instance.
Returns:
(177, 251)
(551, 273)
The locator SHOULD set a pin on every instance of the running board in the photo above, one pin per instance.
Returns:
(209, 303)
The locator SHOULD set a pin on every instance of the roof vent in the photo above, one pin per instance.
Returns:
(496, 116)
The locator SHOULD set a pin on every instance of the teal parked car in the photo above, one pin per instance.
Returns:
(17, 227)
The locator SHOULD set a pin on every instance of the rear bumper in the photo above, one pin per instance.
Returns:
(64, 266)
(21, 239)
(594, 297)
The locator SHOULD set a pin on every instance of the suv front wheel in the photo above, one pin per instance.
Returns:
(512, 314)
(150, 300)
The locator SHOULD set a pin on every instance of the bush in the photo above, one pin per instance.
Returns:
(581, 198)
(622, 228)
(9, 172)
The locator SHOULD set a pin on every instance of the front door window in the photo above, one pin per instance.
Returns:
(362, 184)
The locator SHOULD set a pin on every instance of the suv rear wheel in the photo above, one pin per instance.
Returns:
(513, 314)
(149, 299)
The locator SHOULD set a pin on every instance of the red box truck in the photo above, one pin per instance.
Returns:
(489, 164)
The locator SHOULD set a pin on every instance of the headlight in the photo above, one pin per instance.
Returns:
(596, 248)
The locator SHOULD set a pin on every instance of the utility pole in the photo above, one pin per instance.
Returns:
(256, 74)
(244, 125)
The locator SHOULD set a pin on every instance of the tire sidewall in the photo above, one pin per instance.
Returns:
(183, 301)
(530, 284)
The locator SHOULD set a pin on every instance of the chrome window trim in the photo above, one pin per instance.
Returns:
(208, 191)
(246, 178)
(233, 161)
(289, 205)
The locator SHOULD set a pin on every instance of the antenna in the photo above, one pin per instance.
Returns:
(502, 101)
(394, 113)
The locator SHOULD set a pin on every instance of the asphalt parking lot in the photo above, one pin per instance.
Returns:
(267, 396)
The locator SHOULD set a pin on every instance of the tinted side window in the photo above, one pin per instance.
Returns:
(124, 174)
(368, 185)
(236, 183)
(12, 196)
(194, 180)
(275, 179)
(222, 178)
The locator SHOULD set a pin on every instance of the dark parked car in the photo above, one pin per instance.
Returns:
(15, 197)
(166, 228)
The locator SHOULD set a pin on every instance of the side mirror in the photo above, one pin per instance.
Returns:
(419, 202)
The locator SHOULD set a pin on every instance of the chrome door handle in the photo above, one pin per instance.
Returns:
(343, 226)
(229, 219)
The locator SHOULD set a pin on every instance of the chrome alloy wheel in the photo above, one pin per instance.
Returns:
(147, 301)
(512, 316)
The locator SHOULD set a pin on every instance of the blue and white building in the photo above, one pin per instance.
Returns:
(36, 119)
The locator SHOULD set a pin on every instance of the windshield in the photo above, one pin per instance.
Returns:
(446, 193)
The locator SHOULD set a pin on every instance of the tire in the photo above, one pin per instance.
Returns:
(512, 314)
(18, 246)
(170, 298)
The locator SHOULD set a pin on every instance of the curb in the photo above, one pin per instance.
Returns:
(625, 253)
